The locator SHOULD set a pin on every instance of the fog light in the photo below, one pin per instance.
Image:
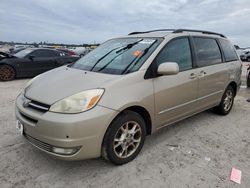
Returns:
(65, 151)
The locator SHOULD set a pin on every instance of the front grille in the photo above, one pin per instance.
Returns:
(38, 143)
(39, 106)
(34, 104)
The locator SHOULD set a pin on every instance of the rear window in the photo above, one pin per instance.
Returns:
(228, 50)
(207, 51)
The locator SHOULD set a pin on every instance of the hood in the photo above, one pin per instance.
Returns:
(6, 55)
(62, 82)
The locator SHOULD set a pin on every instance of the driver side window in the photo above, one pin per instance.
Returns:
(37, 53)
(177, 50)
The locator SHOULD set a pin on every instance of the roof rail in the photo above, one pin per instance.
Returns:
(178, 31)
(198, 31)
(142, 32)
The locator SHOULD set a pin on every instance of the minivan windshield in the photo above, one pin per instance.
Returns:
(118, 56)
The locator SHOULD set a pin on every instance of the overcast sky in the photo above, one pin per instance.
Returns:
(84, 21)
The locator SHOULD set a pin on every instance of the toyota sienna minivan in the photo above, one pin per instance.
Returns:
(129, 87)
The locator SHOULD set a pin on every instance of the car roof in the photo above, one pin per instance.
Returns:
(166, 32)
(151, 34)
(41, 48)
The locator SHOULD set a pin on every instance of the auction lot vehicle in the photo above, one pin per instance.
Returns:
(31, 62)
(4, 55)
(68, 52)
(248, 76)
(245, 56)
(106, 103)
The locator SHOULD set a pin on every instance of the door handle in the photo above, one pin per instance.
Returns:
(192, 76)
(202, 73)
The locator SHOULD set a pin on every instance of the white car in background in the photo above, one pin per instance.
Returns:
(81, 51)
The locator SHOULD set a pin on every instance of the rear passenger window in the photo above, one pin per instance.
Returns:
(228, 50)
(207, 51)
(178, 51)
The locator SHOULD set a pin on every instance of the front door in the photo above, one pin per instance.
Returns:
(44, 60)
(175, 95)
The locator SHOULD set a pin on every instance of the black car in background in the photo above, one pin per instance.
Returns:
(31, 62)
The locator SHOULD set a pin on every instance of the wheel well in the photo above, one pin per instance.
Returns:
(234, 86)
(144, 114)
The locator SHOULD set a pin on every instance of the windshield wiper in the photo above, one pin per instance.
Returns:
(124, 49)
(110, 61)
(136, 59)
(118, 51)
(129, 46)
(103, 58)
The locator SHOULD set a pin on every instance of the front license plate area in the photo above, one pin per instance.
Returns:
(19, 127)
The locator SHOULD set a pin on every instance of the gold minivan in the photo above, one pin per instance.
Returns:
(129, 87)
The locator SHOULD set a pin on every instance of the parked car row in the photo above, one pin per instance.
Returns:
(32, 61)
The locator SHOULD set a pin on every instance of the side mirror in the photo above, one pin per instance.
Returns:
(31, 57)
(168, 68)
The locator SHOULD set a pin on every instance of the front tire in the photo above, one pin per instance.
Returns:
(7, 73)
(124, 138)
(226, 103)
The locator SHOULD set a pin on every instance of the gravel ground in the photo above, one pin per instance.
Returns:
(197, 152)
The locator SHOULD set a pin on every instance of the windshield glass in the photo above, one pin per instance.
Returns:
(23, 53)
(118, 56)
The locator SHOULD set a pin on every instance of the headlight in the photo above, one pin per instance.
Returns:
(79, 102)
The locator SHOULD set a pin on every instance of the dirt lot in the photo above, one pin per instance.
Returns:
(197, 152)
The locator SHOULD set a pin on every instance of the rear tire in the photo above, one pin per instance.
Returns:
(124, 138)
(7, 73)
(226, 103)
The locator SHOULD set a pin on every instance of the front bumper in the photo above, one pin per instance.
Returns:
(84, 130)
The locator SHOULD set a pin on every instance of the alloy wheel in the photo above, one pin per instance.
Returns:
(228, 100)
(127, 139)
(6, 73)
